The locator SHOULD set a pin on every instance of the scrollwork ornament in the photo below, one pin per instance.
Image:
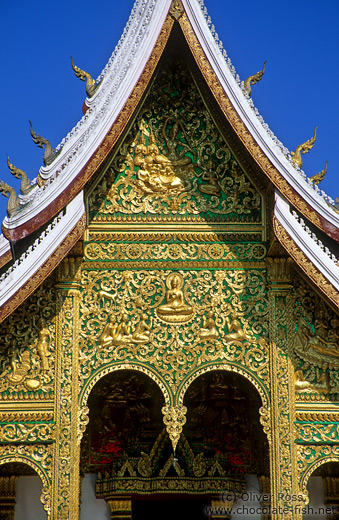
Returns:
(312, 433)
(83, 421)
(174, 420)
(311, 457)
(265, 420)
(176, 9)
(26, 432)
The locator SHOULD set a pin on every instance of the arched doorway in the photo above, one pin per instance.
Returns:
(223, 422)
(323, 493)
(20, 493)
(126, 445)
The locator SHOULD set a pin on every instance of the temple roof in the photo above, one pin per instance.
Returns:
(55, 207)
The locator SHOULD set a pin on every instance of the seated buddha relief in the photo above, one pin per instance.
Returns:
(175, 310)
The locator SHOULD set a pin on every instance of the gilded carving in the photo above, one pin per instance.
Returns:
(28, 343)
(26, 432)
(153, 316)
(317, 432)
(176, 163)
(140, 251)
(174, 420)
(311, 457)
(316, 343)
(38, 457)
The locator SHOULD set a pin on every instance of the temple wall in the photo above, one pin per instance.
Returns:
(28, 505)
(91, 507)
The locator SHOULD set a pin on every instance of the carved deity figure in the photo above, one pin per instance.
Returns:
(234, 328)
(322, 384)
(44, 339)
(124, 336)
(110, 333)
(325, 337)
(142, 330)
(157, 172)
(175, 309)
(212, 186)
(208, 329)
(21, 365)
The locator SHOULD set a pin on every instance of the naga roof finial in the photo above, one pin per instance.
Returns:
(84, 76)
(315, 179)
(50, 153)
(303, 148)
(13, 202)
(252, 80)
(26, 184)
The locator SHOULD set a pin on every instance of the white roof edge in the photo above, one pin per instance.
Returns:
(119, 78)
(309, 245)
(37, 254)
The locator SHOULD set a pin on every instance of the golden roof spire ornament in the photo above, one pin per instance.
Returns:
(303, 148)
(50, 153)
(315, 179)
(252, 80)
(176, 9)
(85, 76)
(26, 185)
(10, 193)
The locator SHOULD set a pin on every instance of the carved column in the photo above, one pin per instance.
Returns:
(222, 508)
(66, 478)
(7, 497)
(265, 494)
(283, 460)
(121, 508)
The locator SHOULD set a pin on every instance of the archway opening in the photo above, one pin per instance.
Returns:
(223, 431)
(323, 493)
(20, 493)
(125, 441)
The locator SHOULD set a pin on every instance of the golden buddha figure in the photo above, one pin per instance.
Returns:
(175, 310)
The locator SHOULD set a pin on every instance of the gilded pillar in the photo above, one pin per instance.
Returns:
(7, 497)
(265, 494)
(283, 465)
(66, 479)
(121, 508)
(221, 509)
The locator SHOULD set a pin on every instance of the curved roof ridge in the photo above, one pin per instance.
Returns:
(307, 241)
(119, 78)
(36, 256)
(318, 199)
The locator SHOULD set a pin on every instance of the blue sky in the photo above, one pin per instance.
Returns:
(298, 39)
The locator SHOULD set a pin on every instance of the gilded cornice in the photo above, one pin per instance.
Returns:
(304, 263)
(245, 136)
(45, 270)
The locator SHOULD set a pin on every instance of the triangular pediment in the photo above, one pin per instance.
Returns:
(174, 164)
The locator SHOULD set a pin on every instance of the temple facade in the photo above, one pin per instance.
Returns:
(169, 300)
